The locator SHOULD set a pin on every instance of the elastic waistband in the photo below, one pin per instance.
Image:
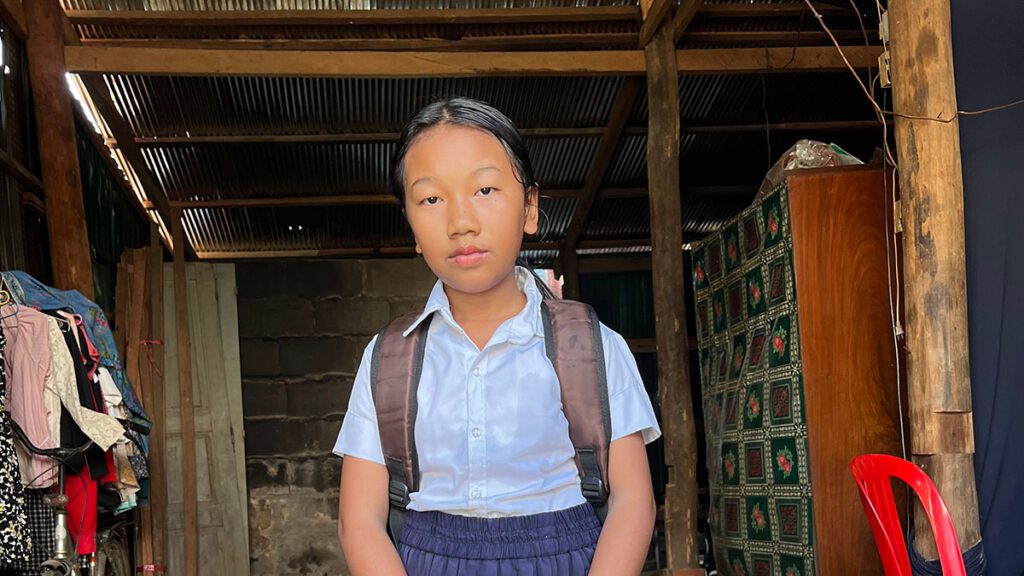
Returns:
(544, 534)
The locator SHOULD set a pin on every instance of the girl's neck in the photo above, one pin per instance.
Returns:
(486, 310)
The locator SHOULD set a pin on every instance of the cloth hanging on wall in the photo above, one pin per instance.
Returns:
(988, 53)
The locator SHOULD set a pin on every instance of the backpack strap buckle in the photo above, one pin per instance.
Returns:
(593, 490)
(590, 479)
(398, 490)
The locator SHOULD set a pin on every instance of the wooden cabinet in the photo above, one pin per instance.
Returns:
(798, 372)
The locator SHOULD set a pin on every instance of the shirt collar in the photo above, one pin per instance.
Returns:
(523, 326)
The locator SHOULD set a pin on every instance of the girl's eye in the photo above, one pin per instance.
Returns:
(431, 200)
(485, 191)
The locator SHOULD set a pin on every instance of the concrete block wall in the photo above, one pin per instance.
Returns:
(303, 326)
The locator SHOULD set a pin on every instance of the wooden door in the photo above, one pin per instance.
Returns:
(217, 406)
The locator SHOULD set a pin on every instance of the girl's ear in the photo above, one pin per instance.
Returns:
(532, 211)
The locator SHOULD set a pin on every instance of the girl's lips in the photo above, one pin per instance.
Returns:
(469, 258)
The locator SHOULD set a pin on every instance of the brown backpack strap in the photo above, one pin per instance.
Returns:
(572, 338)
(395, 369)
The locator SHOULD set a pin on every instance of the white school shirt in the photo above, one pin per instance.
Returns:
(490, 433)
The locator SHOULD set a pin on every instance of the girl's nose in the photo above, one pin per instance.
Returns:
(462, 218)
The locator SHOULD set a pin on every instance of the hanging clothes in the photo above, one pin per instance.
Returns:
(28, 291)
(88, 397)
(15, 539)
(127, 483)
(27, 362)
(82, 471)
(41, 520)
(44, 386)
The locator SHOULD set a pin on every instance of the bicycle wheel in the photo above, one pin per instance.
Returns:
(112, 554)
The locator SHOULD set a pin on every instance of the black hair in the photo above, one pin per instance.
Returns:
(462, 112)
(474, 114)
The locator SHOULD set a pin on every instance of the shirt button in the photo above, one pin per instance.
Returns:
(476, 371)
(474, 494)
(477, 432)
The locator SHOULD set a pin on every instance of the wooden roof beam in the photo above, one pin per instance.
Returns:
(684, 15)
(504, 42)
(115, 171)
(834, 125)
(617, 118)
(235, 18)
(10, 166)
(764, 10)
(98, 93)
(654, 13)
(401, 251)
(175, 62)
(383, 198)
(13, 15)
(602, 159)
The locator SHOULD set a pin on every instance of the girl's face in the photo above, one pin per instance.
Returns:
(466, 207)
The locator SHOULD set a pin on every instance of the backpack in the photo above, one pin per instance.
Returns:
(572, 340)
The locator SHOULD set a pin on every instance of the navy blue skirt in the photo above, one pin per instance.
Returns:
(551, 544)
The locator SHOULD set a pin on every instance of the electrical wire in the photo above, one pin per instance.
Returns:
(874, 103)
(867, 92)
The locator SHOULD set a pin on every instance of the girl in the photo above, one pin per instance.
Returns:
(499, 492)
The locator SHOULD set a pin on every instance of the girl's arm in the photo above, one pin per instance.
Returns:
(363, 517)
(626, 536)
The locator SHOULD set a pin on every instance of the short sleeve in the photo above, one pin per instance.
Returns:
(359, 435)
(630, 406)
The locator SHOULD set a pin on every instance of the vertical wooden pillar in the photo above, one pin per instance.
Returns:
(155, 400)
(669, 302)
(58, 152)
(570, 263)
(931, 185)
(188, 444)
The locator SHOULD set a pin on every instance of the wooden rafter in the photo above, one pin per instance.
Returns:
(685, 13)
(404, 251)
(13, 15)
(385, 198)
(837, 125)
(174, 61)
(115, 171)
(766, 10)
(654, 12)
(235, 18)
(502, 43)
(119, 128)
(10, 165)
(555, 41)
(286, 202)
(602, 159)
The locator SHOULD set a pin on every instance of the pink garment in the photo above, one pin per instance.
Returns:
(28, 366)
(88, 348)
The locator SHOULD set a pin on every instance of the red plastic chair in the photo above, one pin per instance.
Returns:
(873, 473)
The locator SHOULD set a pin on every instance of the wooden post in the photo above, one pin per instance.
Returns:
(669, 302)
(570, 264)
(155, 402)
(188, 444)
(931, 185)
(55, 127)
(137, 367)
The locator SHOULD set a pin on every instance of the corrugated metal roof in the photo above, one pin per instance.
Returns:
(239, 107)
(210, 106)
